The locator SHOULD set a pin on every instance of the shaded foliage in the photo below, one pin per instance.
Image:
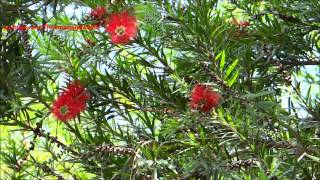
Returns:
(138, 123)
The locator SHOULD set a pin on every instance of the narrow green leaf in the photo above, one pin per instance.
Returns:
(218, 56)
(222, 57)
(222, 60)
(231, 68)
(233, 79)
(308, 95)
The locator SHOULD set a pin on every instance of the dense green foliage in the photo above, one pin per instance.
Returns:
(138, 123)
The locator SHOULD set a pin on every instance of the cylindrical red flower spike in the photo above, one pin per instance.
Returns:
(203, 98)
(122, 27)
(241, 24)
(70, 102)
(244, 24)
(98, 12)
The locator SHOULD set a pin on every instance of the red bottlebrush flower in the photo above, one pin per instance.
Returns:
(122, 27)
(244, 24)
(204, 98)
(98, 12)
(70, 102)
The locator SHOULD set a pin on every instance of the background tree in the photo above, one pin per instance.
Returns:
(192, 90)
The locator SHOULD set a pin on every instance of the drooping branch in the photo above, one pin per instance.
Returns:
(301, 63)
(110, 149)
(39, 132)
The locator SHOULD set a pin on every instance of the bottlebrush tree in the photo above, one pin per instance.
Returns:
(188, 89)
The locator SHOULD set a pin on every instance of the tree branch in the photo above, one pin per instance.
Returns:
(300, 63)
